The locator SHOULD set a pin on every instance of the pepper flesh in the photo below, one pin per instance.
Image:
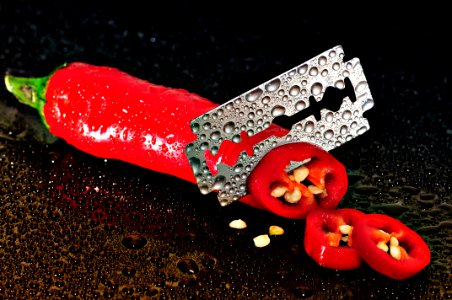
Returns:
(328, 239)
(375, 230)
(325, 171)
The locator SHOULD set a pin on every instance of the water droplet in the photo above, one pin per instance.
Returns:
(336, 66)
(322, 60)
(332, 53)
(316, 88)
(219, 183)
(250, 123)
(204, 189)
(195, 127)
(251, 115)
(254, 95)
(229, 106)
(304, 82)
(273, 85)
(343, 129)
(329, 116)
(250, 132)
(294, 91)
(204, 146)
(281, 92)
(339, 84)
(362, 130)
(309, 126)
(313, 71)
(324, 73)
(229, 127)
(195, 164)
(346, 115)
(361, 87)
(302, 69)
(129, 271)
(368, 104)
(236, 138)
(328, 134)
(206, 126)
(300, 105)
(187, 266)
(238, 168)
(346, 73)
(215, 135)
(134, 241)
(278, 110)
(353, 125)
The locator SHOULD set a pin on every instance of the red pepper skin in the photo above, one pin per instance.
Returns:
(367, 234)
(325, 170)
(322, 237)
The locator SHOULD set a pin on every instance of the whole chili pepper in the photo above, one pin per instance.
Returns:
(389, 246)
(110, 114)
(328, 238)
(320, 182)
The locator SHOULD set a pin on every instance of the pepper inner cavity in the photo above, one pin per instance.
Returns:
(295, 186)
(390, 244)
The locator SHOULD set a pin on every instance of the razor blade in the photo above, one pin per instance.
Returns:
(290, 94)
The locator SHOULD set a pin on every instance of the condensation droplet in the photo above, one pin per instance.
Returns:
(309, 126)
(250, 123)
(273, 85)
(346, 115)
(339, 84)
(278, 110)
(195, 127)
(236, 138)
(302, 70)
(229, 127)
(188, 266)
(324, 73)
(316, 88)
(328, 134)
(281, 92)
(253, 95)
(251, 115)
(336, 66)
(195, 165)
(322, 60)
(238, 168)
(313, 71)
(346, 73)
(360, 87)
(204, 189)
(362, 130)
(343, 129)
(300, 105)
(266, 100)
(329, 116)
(332, 53)
(219, 183)
(215, 135)
(134, 241)
(294, 91)
(206, 126)
(368, 104)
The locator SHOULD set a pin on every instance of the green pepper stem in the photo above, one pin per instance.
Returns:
(29, 91)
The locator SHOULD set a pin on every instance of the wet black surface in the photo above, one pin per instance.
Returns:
(76, 226)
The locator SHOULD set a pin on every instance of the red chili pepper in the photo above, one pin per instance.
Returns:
(320, 182)
(328, 238)
(110, 114)
(389, 246)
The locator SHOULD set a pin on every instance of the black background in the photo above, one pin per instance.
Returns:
(222, 49)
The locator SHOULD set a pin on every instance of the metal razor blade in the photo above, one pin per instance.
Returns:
(288, 94)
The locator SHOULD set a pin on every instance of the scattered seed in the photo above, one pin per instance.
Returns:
(238, 224)
(316, 190)
(382, 245)
(300, 174)
(278, 191)
(395, 252)
(293, 197)
(345, 229)
(275, 230)
(261, 240)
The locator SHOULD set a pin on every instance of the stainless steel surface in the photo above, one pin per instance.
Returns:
(286, 94)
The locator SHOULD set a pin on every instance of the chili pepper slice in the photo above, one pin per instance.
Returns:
(328, 238)
(389, 246)
(320, 182)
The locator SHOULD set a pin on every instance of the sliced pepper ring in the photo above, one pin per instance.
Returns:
(328, 239)
(325, 172)
(389, 246)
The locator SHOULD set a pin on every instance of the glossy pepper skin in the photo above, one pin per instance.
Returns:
(328, 239)
(324, 171)
(110, 114)
(389, 246)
